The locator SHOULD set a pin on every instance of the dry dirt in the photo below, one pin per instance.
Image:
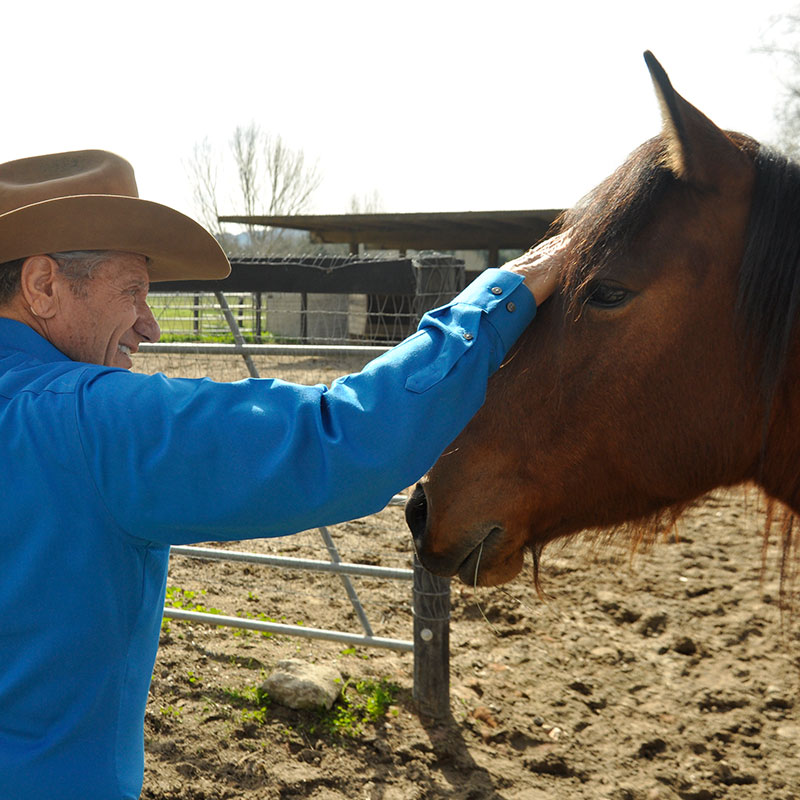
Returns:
(669, 675)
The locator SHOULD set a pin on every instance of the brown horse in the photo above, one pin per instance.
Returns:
(666, 365)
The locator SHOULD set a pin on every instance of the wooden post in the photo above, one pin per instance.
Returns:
(258, 303)
(431, 643)
(304, 317)
(196, 315)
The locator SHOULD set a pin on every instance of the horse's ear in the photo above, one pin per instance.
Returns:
(697, 150)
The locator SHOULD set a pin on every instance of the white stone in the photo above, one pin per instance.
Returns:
(299, 685)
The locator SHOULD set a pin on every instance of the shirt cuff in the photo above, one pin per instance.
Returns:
(508, 303)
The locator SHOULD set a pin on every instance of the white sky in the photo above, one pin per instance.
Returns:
(439, 106)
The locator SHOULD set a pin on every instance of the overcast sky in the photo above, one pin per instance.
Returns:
(437, 106)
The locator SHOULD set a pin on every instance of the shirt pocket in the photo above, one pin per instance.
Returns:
(457, 328)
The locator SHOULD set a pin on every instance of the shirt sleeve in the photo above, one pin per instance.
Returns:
(178, 460)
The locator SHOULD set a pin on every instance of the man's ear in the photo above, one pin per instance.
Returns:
(38, 287)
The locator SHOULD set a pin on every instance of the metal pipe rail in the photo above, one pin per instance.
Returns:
(341, 567)
(431, 596)
(218, 348)
(289, 630)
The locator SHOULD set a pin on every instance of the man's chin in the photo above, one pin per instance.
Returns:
(121, 360)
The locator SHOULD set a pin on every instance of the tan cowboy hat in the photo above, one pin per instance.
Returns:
(88, 200)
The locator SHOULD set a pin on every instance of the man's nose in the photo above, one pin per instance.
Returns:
(146, 324)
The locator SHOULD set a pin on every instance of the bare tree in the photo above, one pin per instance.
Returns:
(272, 179)
(371, 203)
(783, 43)
(202, 169)
(245, 145)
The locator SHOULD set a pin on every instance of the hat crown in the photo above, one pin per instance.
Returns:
(88, 200)
(82, 172)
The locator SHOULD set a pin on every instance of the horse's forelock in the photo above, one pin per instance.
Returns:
(607, 220)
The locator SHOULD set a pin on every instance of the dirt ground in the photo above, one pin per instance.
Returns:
(669, 675)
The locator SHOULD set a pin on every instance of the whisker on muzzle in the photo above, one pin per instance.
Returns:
(494, 630)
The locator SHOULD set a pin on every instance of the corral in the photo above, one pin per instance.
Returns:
(668, 677)
(396, 292)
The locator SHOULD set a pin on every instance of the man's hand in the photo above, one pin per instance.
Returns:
(541, 265)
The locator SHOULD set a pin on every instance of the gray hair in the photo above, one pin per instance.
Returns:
(77, 265)
(80, 265)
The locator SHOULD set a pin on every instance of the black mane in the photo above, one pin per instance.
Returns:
(769, 279)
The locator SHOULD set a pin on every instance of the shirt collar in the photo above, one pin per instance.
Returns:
(16, 335)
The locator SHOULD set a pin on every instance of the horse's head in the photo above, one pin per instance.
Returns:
(634, 390)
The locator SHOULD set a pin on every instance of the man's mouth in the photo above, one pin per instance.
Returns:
(123, 348)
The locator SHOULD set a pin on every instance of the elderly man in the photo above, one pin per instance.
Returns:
(104, 468)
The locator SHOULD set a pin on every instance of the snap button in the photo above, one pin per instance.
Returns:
(511, 306)
(496, 290)
(468, 336)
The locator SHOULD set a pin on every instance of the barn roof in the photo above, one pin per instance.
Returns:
(461, 230)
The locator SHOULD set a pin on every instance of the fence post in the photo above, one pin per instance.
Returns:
(237, 334)
(431, 643)
(196, 315)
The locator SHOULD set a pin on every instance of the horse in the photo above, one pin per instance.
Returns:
(666, 365)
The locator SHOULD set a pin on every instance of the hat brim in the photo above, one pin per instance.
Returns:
(178, 248)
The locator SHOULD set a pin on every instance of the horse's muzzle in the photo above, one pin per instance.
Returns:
(417, 521)
(439, 557)
(417, 516)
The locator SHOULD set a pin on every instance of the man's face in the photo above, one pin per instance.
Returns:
(106, 320)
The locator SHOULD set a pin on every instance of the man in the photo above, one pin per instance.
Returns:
(103, 469)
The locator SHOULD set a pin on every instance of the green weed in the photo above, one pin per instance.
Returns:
(252, 701)
(249, 696)
(354, 651)
(178, 597)
(361, 703)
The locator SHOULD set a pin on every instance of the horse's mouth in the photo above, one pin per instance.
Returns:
(483, 556)
(475, 568)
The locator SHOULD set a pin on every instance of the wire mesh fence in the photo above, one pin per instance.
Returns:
(313, 300)
(230, 588)
(376, 609)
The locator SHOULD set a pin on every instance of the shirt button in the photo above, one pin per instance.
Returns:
(511, 306)
(496, 290)
(468, 336)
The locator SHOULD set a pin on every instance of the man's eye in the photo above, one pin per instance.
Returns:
(607, 295)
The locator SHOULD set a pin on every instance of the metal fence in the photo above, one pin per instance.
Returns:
(430, 599)
(353, 300)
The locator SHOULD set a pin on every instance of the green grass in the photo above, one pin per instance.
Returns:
(361, 703)
(171, 712)
(216, 338)
(184, 598)
(177, 597)
(181, 322)
(249, 697)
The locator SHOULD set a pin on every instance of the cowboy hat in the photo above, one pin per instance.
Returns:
(88, 200)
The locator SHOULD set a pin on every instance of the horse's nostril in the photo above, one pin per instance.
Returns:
(417, 512)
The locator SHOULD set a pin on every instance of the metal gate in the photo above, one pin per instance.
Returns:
(430, 594)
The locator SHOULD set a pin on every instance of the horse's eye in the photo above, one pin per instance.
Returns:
(606, 295)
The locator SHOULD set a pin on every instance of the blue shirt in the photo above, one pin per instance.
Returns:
(103, 469)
